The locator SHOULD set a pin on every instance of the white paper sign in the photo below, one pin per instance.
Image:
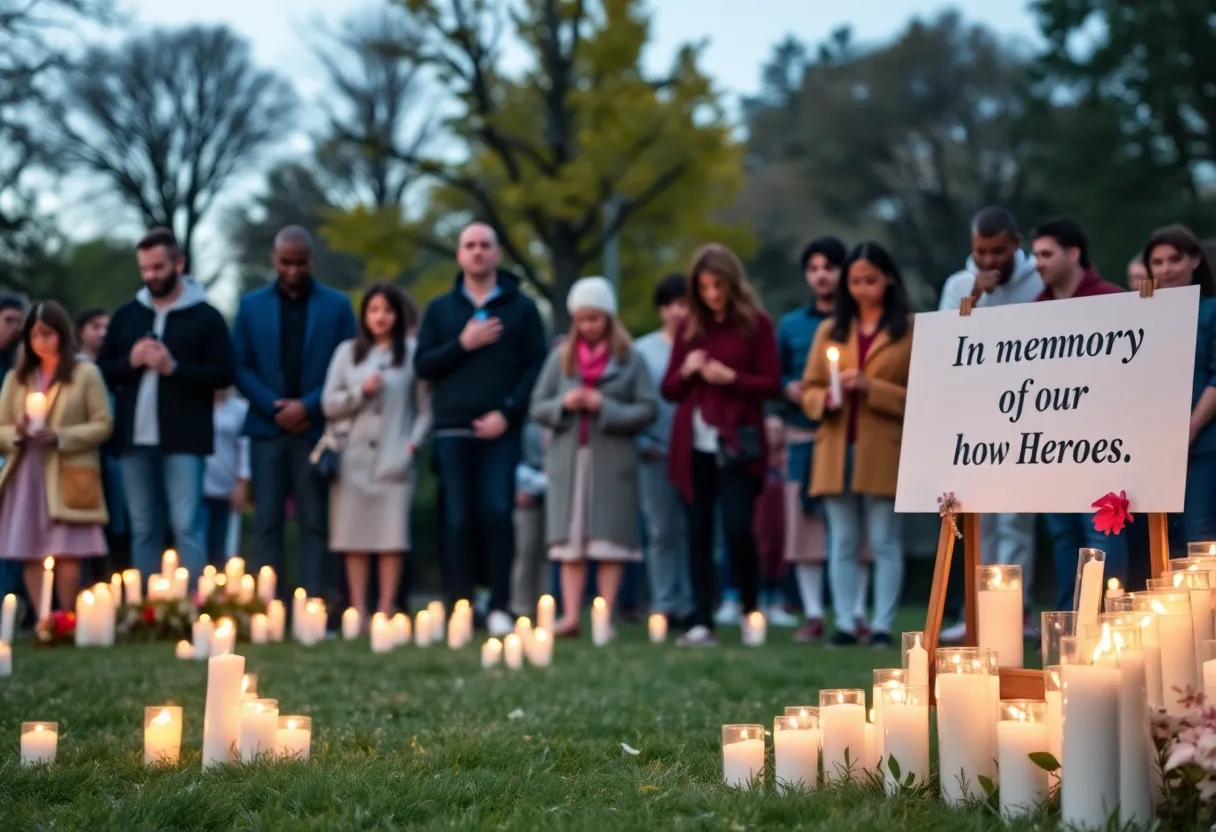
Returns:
(1045, 407)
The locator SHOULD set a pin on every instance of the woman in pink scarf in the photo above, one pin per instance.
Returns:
(595, 395)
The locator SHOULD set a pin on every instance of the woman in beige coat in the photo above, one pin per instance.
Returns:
(54, 415)
(379, 413)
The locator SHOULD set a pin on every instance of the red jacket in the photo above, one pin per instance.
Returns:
(1091, 284)
(726, 408)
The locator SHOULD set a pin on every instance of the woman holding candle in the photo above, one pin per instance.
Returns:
(724, 367)
(596, 396)
(51, 496)
(1174, 257)
(857, 447)
(379, 413)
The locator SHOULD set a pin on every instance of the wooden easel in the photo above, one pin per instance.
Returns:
(1015, 683)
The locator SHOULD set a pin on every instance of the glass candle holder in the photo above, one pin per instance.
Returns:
(1208, 668)
(1053, 694)
(999, 606)
(1053, 627)
(743, 755)
(1142, 614)
(1087, 590)
(1199, 584)
(162, 735)
(249, 685)
(1201, 549)
(754, 629)
(884, 678)
(1176, 639)
(915, 657)
(796, 742)
(1089, 779)
(259, 728)
(905, 727)
(293, 738)
(805, 711)
(1114, 590)
(1120, 603)
(966, 721)
(842, 719)
(1021, 730)
(39, 743)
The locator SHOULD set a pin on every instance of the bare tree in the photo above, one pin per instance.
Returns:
(168, 118)
(376, 108)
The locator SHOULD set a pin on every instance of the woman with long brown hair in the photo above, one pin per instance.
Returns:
(724, 367)
(379, 414)
(54, 416)
(595, 395)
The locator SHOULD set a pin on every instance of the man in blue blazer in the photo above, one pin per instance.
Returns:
(284, 337)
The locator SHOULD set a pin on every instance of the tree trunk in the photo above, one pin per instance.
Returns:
(565, 271)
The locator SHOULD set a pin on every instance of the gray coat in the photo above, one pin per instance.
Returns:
(630, 404)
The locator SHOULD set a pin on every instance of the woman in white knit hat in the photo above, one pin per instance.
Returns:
(595, 395)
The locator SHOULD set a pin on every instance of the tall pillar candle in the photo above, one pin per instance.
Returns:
(513, 651)
(884, 678)
(181, 582)
(350, 624)
(1054, 711)
(267, 583)
(276, 620)
(48, 585)
(202, 630)
(1175, 632)
(84, 618)
(541, 651)
(842, 722)
(796, 752)
(905, 726)
(1087, 592)
(491, 653)
(1136, 747)
(222, 713)
(1021, 730)
(168, 563)
(742, 755)
(656, 627)
(234, 570)
(259, 729)
(755, 629)
(107, 614)
(964, 722)
(259, 628)
(1197, 586)
(1089, 782)
(381, 633)
(6, 660)
(834, 384)
(248, 586)
(915, 659)
(8, 618)
(298, 600)
(601, 623)
(437, 616)
(132, 584)
(1000, 612)
(223, 638)
(546, 612)
(162, 735)
(422, 629)
(401, 629)
(1140, 611)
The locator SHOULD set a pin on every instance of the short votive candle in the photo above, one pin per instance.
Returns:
(293, 740)
(743, 755)
(842, 719)
(401, 629)
(513, 651)
(39, 743)
(657, 627)
(491, 653)
(755, 629)
(162, 734)
(905, 727)
(185, 650)
(6, 659)
(259, 728)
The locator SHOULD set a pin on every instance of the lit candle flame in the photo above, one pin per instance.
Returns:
(221, 580)
(209, 571)
(794, 722)
(87, 597)
(300, 593)
(39, 727)
(523, 622)
(995, 578)
(162, 718)
(1178, 579)
(181, 573)
(170, 556)
(1113, 585)
(204, 617)
(291, 724)
(871, 714)
(1158, 607)
(599, 603)
(48, 564)
(833, 354)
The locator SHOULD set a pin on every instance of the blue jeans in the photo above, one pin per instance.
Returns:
(1199, 506)
(665, 528)
(157, 484)
(479, 491)
(218, 512)
(1071, 532)
(845, 513)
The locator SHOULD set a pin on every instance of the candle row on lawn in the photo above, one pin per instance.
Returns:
(96, 616)
(534, 645)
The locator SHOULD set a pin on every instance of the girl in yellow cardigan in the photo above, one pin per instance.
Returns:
(54, 415)
(857, 447)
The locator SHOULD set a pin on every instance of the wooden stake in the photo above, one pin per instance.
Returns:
(1158, 524)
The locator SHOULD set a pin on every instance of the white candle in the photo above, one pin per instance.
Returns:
(259, 729)
(185, 650)
(6, 660)
(84, 618)
(381, 633)
(965, 721)
(294, 738)
(1089, 781)
(160, 588)
(401, 629)
(1000, 613)
(116, 589)
(657, 627)
(884, 678)
(870, 761)
(202, 630)
(298, 601)
(523, 628)
(39, 743)
(350, 624)
(491, 652)
(168, 563)
(1089, 601)
(1023, 783)
(48, 583)
(546, 610)
(905, 726)
(796, 752)
(314, 612)
(742, 755)
(35, 410)
(107, 614)
(755, 629)
(541, 652)
(1136, 748)
(1176, 640)
(1054, 713)
(1113, 591)
(917, 662)
(842, 721)
(436, 615)
(133, 585)
(162, 735)
(234, 569)
(8, 618)
(248, 586)
(601, 623)
(835, 390)
(259, 628)
(513, 651)
(223, 638)
(181, 582)
(222, 713)
(422, 629)
(276, 615)
(267, 582)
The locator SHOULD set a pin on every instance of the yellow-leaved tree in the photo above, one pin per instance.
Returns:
(577, 149)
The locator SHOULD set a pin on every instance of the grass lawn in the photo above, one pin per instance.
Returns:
(425, 739)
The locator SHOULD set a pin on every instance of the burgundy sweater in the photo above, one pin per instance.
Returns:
(726, 408)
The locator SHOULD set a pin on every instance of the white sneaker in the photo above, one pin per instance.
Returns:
(954, 634)
(698, 636)
(780, 617)
(729, 613)
(499, 624)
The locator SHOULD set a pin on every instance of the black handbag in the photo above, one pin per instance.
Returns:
(326, 458)
(748, 449)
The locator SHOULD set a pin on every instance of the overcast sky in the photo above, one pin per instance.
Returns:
(740, 34)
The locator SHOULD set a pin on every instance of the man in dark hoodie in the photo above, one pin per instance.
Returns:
(165, 354)
(481, 346)
(12, 316)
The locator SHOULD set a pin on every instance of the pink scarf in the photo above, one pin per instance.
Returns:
(592, 362)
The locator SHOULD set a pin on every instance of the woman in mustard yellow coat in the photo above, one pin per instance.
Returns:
(54, 415)
(857, 448)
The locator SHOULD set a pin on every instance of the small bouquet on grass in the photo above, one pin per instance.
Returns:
(1186, 748)
(226, 604)
(59, 628)
(169, 619)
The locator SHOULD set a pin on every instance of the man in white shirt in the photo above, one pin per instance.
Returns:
(998, 273)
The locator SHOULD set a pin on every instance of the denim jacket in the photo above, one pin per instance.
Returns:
(795, 333)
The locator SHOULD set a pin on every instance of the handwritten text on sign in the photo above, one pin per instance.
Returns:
(1044, 407)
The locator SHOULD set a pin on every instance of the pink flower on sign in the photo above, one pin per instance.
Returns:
(1112, 513)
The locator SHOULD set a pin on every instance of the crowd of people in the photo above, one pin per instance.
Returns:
(724, 461)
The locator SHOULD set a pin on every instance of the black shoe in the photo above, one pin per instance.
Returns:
(842, 639)
(880, 641)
